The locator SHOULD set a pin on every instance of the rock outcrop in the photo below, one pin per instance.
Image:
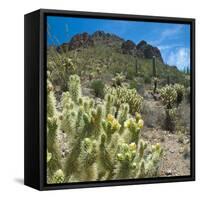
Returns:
(142, 50)
(148, 51)
(80, 40)
(129, 47)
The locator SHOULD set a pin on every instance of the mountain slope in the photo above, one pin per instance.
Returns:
(102, 55)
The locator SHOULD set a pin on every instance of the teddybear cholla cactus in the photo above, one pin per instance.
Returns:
(168, 96)
(104, 140)
(60, 68)
(180, 90)
(125, 95)
(118, 79)
(53, 156)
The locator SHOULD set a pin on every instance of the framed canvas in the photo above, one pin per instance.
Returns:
(109, 99)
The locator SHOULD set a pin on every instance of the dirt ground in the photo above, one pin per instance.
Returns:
(176, 159)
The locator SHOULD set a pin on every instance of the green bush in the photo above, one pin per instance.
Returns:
(147, 79)
(98, 87)
(130, 74)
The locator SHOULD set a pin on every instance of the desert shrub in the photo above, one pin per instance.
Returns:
(133, 84)
(170, 121)
(130, 73)
(98, 87)
(147, 79)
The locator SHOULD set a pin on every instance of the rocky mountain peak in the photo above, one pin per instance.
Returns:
(85, 40)
(129, 47)
(81, 40)
(141, 50)
(141, 44)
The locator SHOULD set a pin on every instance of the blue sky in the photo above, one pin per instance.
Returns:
(173, 40)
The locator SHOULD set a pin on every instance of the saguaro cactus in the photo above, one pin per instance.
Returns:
(155, 78)
(154, 66)
(136, 66)
(168, 80)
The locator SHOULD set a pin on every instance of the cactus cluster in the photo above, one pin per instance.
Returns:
(118, 79)
(60, 68)
(180, 90)
(104, 138)
(168, 96)
(171, 96)
(124, 95)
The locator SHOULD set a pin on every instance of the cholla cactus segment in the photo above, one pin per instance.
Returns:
(68, 64)
(75, 87)
(109, 104)
(168, 96)
(58, 177)
(49, 156)
(118, 79)
(125, 95)
(134, 126)
(66, 100)
(135, 162)
(110, 126)
(51, 101)
(52, 126)
(180, 90)
(123, 115)
(88, 152)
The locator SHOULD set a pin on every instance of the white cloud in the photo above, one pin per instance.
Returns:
(167, 33)
(167, 47)
(180, 58)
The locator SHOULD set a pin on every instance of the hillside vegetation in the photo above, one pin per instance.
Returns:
(115, 111)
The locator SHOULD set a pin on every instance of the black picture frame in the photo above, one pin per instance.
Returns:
(35, 98)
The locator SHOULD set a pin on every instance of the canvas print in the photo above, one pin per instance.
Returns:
(118, 99)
